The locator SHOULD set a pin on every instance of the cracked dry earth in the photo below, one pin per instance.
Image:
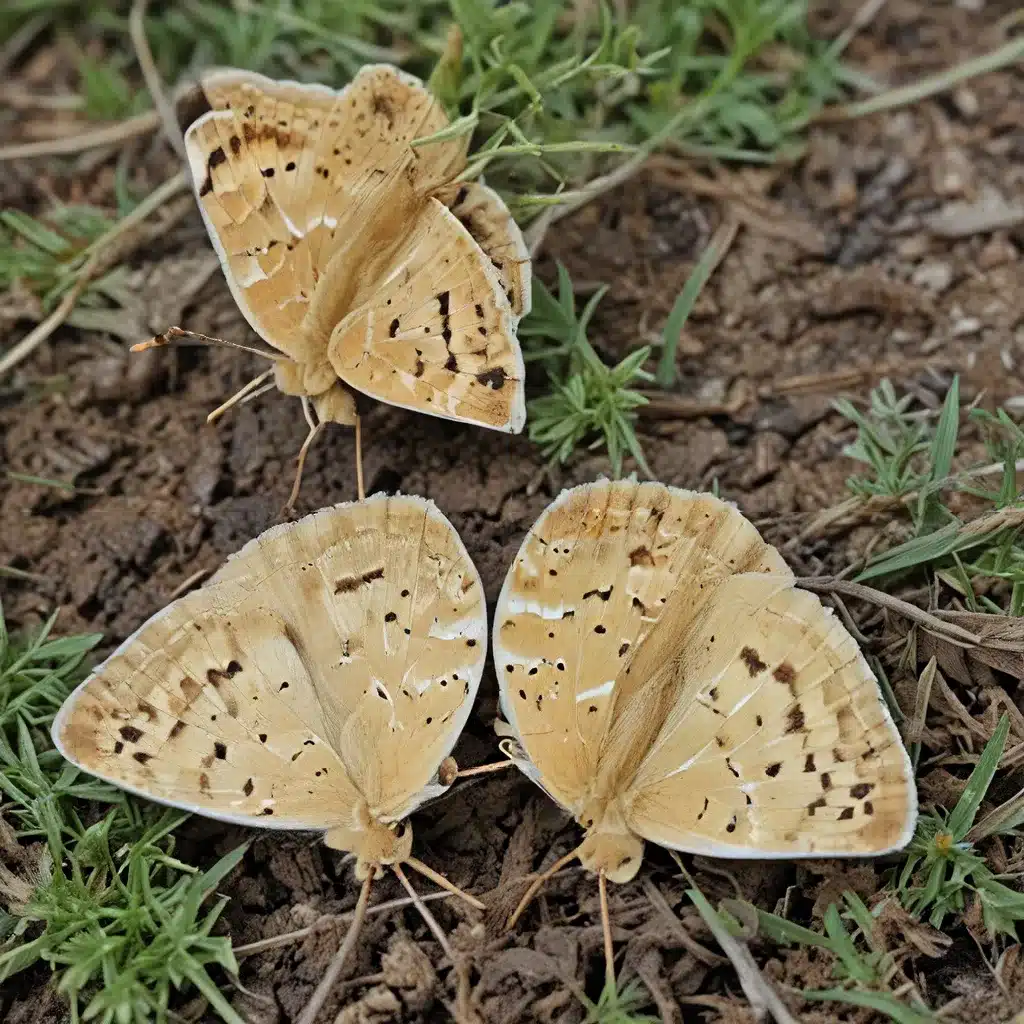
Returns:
(877, 254)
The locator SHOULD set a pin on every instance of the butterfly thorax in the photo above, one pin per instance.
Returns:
(609, 845)
(373, 842)
(304, 379)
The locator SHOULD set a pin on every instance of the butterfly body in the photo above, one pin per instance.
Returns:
(337, 240)
(664, 680)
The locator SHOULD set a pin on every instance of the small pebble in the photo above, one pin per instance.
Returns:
(935, 277)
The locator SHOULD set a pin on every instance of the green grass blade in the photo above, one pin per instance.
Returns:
(962, 816)
(882, 1002)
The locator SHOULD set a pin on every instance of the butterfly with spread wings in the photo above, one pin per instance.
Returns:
(664, 679)
(318, 681)
(360, 257)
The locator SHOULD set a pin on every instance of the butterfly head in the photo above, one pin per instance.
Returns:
(618, 855)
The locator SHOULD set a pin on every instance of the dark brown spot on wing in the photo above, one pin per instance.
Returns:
(130, 733)
(794, 719)
(752, 660)
(494, 379)
(350, 583)
(785, 673)
(641, 556)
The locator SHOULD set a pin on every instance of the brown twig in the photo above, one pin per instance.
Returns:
(108, 135)
(323, 990)
(946, 630)
(99, 253)
(151, 76)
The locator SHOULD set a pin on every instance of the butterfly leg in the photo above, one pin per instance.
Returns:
(606, 928)
(314, 429)
(427, 916)
(242, 395)
(535, 886)
(323, 990)
(438, 879)
(361, 490)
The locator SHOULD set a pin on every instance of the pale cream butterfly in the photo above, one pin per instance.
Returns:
(665, 680)
(361, 258)
(319, 681)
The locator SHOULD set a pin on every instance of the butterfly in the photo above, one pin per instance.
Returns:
(663, 678)
(318, 682)
(361, 258)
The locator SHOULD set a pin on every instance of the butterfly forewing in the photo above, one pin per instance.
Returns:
(330, 665)
(654, 654)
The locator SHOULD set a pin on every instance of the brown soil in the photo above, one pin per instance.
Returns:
(840, 277)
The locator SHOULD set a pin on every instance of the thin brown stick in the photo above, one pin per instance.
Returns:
(109, 135)
(438, 879)
(760, 994)
(689, 943)
(536, 884)
(323, 990)
(285, 939)
(151, 76)
(947, 630)
(606, 931)
(360, 488)
(97, 253)
(24, 348)
(427, 916)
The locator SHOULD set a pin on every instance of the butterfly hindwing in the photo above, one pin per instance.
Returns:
(433, 330)
(486, 217)
(330, 665)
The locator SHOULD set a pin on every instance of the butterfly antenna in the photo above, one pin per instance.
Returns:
(314, 429)
(439, 879)
(240, 395)
(177, 334)
(535, 886)
(606, 929)
(427, 916)
(359, 459)
(337, 965)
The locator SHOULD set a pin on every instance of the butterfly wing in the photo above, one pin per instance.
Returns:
(778, 743)
(330, 665)
(588, 586)
(284, 172)
(483, 213)
(433, 330)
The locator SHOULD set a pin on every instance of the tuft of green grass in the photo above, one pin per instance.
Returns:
(619, 1006)
(863, 967)
(588, 399)
(121, 922)
(910, 458)
(943, 869)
